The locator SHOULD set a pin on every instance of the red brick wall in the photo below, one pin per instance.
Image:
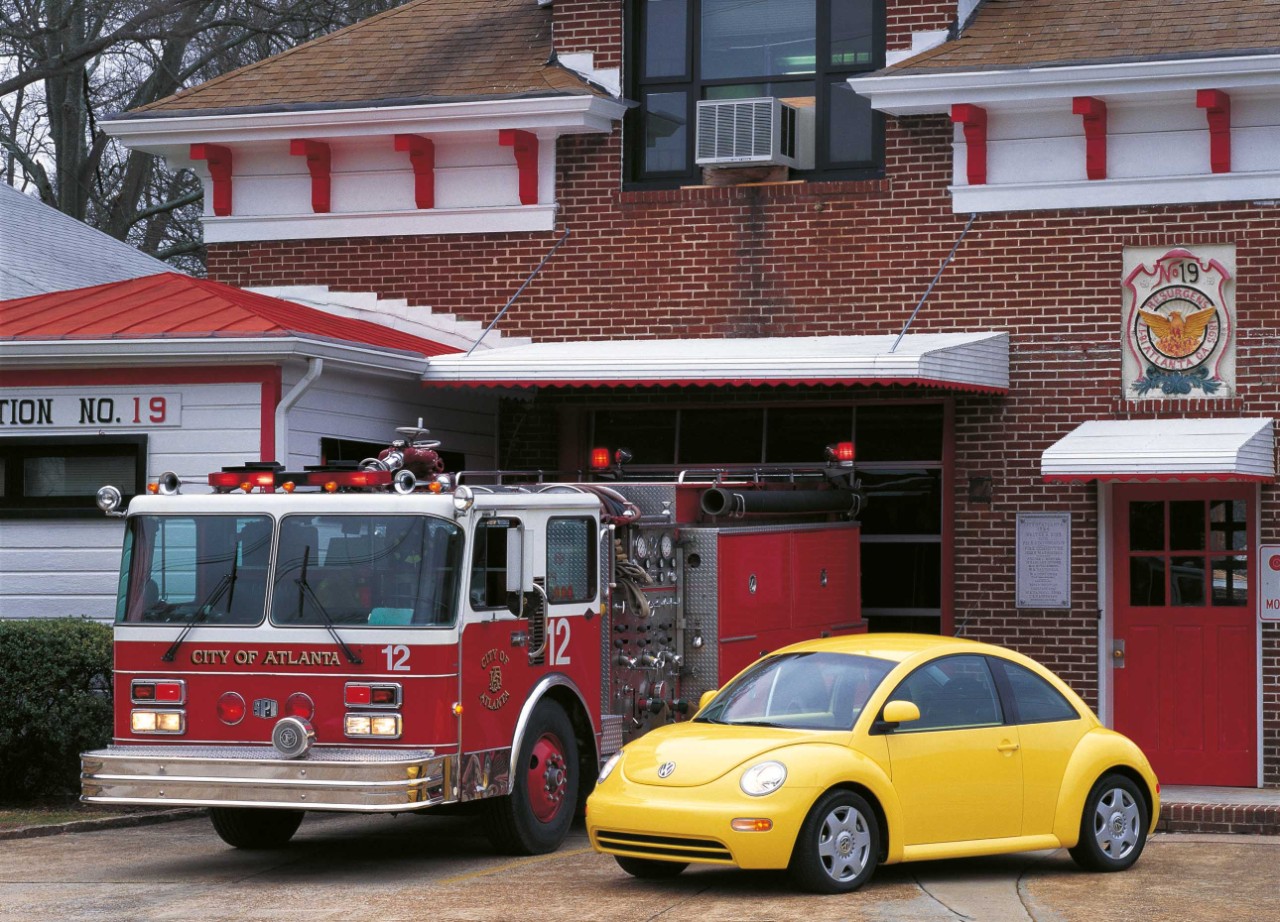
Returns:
(854, 257)
(589, 25)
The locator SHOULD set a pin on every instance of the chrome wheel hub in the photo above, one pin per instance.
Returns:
(1116, 823)
(844, 843)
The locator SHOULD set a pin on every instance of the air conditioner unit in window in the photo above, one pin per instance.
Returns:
(746, 132)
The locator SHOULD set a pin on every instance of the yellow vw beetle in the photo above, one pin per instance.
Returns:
(833, 756)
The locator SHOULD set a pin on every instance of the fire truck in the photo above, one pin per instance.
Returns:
(387, 637)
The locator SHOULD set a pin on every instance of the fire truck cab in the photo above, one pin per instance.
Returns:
(391, 638)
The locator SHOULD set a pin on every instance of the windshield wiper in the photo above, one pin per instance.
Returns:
(227, 582)
(306, 592)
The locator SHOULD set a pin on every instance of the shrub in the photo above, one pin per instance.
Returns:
(55, 702)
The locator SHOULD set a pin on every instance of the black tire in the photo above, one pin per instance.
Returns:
(1113, 827)
(535, 818)
(648, 869)
(838, 848)
(251, 828)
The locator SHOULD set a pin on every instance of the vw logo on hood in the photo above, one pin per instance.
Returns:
(665, 769)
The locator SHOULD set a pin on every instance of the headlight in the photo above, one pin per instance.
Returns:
(764, 778)
(609, 765)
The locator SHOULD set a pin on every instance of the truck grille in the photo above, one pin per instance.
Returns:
(674, 847)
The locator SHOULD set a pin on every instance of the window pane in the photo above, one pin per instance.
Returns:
(1146, 526)
(569, 560)
(1230, 580)
(795, 92)
(666, 122)
(852, 41)
(77, 476)
(1186, 526)
(1187, 581)
(907, 502)
(664, 39)
(899, 433)
(901, 575)
(1228, 524)
(489, 564)
(721, 436)
(1146, 581)
(650, 435)
(851, 135)
(802, 434)
(954, 692)
(1035, 699)
(748, 38)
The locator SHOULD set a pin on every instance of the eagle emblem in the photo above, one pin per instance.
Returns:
(1175, 335)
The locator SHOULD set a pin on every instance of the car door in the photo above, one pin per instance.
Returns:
(957, 770)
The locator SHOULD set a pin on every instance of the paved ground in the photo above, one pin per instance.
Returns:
(413, 867)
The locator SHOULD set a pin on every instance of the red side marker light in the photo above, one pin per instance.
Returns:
(599, 459)
(300, 705)
(359, 694)
(230, 708)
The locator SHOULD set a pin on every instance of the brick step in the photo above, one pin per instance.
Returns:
(1243, 819)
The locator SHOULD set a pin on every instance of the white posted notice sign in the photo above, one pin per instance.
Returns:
(1269, 597)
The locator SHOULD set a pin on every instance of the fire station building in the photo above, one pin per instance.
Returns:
(1023, 253)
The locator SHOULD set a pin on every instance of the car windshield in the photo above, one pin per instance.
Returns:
(376, 570)
(195, 569)
(810, 691)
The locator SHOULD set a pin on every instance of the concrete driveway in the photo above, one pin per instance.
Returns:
(415, 867)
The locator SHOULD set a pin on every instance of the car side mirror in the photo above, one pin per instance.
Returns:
(894, 714)
(706, 698)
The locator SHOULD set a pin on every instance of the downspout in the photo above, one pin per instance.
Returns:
(315, 366)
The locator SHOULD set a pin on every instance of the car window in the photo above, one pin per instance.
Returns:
(1034, 699)
(952, 693)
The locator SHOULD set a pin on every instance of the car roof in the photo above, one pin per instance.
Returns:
(895, 647)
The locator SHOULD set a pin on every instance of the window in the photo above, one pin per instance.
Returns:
(1034, 699)
(375, 570)
(953, 693)
(571, 570)
(497, 547)
(59, 477)
(800, 51)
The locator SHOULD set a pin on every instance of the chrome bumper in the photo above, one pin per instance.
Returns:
(363, 780)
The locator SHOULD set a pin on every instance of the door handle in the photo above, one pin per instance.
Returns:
(1008, 747)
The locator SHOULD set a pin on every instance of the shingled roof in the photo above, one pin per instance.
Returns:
(1018, 34)
(426, 51)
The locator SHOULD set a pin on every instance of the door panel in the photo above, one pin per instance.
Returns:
(1186, 688)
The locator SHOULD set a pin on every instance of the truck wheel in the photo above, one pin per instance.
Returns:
(535, 818)
(247, 827)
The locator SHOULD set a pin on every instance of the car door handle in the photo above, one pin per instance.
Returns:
(1008, 747)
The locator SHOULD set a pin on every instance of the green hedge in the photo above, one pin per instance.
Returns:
(55, 702)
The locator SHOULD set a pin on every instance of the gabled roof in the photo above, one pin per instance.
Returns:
(1013, 34)
(171, 306)
(425, 51)
(42, 250)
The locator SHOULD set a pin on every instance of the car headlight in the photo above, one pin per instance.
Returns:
(763, 778)
(608, 766)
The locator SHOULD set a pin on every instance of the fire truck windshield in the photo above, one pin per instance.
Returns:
(371, 570)
(195, 569)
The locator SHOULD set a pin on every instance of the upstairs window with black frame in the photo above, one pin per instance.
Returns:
(49, 478)
(798, 51)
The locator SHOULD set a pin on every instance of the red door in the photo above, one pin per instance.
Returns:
(1186, 657)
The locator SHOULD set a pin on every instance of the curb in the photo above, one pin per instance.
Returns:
(106, 822)
(1235, 819)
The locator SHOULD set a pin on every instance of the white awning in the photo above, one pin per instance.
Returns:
(1164, 449)
(954, 361)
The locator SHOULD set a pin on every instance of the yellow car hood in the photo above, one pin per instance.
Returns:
(699, 753)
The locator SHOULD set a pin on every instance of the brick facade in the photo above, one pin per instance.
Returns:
(851, 258)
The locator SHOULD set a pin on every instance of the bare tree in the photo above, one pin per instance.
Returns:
(64, 64)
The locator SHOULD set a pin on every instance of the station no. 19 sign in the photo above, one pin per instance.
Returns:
(34, 411)
(1269, 584)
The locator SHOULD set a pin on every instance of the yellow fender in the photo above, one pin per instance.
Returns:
(1098, 751)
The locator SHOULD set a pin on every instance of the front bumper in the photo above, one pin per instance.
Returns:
(351, 779)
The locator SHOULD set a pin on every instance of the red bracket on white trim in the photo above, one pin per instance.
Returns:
(422, 157)
(1094, 111)
(1217, 106)
(526, 147)
(317, 154)
(973, 119)
(219, 160)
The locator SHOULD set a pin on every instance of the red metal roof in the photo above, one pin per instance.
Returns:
(180, 307)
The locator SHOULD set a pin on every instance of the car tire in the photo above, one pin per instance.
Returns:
(251, 828)
(534, 819)
(838, 847)
(1113, 827)
(648, 869)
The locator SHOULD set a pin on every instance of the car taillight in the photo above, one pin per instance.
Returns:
(231, 708)
(162, 691)
(299, 705)
(361, 694)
